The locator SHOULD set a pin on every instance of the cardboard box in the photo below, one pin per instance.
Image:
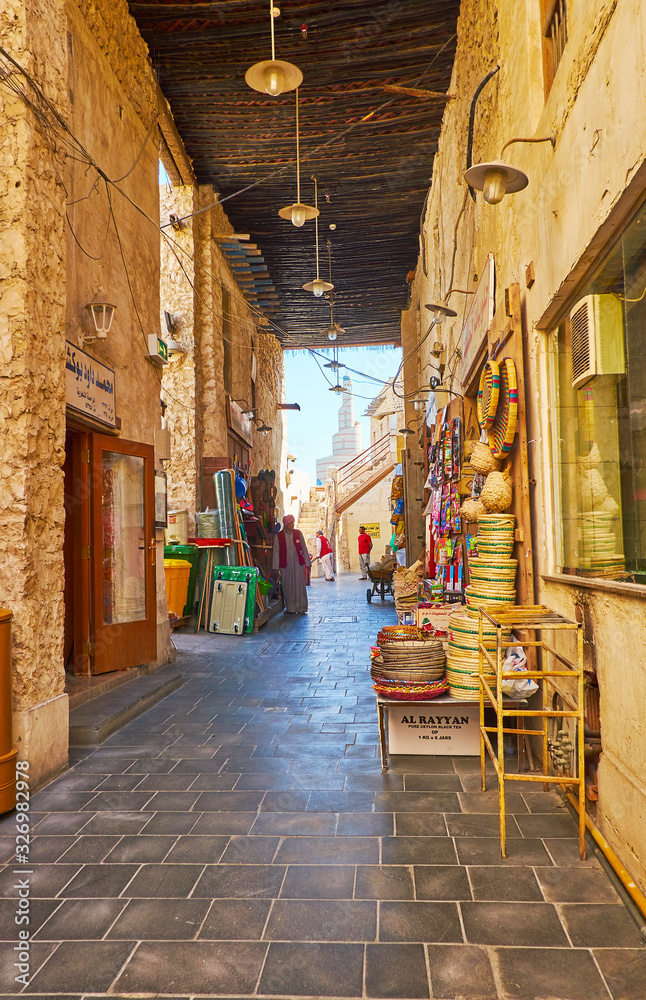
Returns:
(440, 727)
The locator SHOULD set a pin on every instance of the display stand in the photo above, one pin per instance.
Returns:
(537, 619)
(211, 546)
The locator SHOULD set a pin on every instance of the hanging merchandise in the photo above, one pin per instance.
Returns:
(456, 454)
(488, 393)
(241, 486)
(497, 492)
(503, 429)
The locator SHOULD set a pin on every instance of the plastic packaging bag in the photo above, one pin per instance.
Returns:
(521, 687)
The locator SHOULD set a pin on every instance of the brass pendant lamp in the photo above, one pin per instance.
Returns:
(298, 213)
(273, 76)
(318, 286)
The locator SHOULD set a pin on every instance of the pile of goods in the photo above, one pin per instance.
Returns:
(408, 664)
(462, 664)
(493, 572)
(405, 586)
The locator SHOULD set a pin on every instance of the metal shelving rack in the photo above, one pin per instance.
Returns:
(537, 619)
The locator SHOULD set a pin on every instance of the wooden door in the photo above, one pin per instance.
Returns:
(124, 550)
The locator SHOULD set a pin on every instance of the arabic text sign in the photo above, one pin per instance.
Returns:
(474, 332)
(89, 385)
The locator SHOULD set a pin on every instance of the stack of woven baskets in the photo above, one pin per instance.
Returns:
(493, 573)
(492, 586)
(462, 664)
(410, 666)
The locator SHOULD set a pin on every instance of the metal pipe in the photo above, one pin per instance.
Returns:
(472, 118)
(629, 885)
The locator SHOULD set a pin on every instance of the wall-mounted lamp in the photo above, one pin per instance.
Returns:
(264, 428)
(496, 179)
(175, 349)
(102, 314)
(442, 309)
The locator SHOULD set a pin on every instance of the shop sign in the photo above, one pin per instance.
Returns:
(238, 423)
(440, 727)
(89, 385)
(373, 530)
(479, 319)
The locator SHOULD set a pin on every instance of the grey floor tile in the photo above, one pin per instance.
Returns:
(460, 971)
(593, 925)
(491, 882)
(250, 850)
(228, 801)
(396, 971)
(479, 825)
(225, 823)
(528, 973)
(486, 851)
(39, 952)
(116, 822)
(90, 848)
(235, 919)
(550, 825)
(285, 801)
(293, 824)
(430, 802)
(513, 924)
(240, 881)
(45, 882)
(329, 850)
(338, 802)
(176, 823)
(84, 966)
(384, 882)
(576, 885)
(322, 920)
(198, 849)
(432, 783)
(203, 967)
(417, 851)
(441, 882)
(320, 970)
(420, 825)
(140, 849)
(318, 882)
(419, 921)
(81, 919)
(476, 801)
(364, 824)
(39, 911)
(97, 881)
(46, 849)
(564, 853)
(56, 823)
(165, 880)
(160, 919)
(211, 782)
(168, 801)
(624, 971)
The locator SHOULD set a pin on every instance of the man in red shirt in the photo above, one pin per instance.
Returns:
(324, 553)
(365, 545)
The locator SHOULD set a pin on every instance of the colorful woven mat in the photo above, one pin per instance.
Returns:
(402, 691)
(503, 429)
(488, 393)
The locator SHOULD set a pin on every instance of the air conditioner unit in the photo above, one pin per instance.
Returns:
(597, 323)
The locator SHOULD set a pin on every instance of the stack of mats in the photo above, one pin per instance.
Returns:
(599, 542)
(492, 577)
(409, 665)
(462, 664)
(493, 573)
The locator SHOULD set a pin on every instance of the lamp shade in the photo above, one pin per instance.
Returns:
(318, 286)
(274, 77)
(298, 213)
(440, 311)
(102, 314)
(496, 179)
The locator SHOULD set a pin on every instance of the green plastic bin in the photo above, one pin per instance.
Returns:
(191, 553)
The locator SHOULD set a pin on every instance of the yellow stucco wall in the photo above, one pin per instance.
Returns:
(595, 110)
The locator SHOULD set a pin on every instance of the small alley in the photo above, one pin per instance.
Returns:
(239, 839)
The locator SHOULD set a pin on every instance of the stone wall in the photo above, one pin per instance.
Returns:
(559, 224)
(194, 273)
(91, 64)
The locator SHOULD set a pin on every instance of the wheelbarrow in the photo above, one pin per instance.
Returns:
(382, 583)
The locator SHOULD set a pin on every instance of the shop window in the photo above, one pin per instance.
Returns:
(599, 420)
(554, 31)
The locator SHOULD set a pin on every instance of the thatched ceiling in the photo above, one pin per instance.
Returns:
(373, 179)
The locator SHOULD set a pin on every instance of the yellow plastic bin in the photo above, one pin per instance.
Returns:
(177, 573)
(8, 752)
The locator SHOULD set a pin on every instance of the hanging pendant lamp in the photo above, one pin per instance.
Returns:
(273, 76)
(298, 213)
(333, 329)
(318, 286)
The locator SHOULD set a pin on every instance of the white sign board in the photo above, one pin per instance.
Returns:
(476, 326)
(441, 726)
(89, 385)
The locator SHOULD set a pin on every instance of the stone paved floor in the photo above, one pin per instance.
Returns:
(239, 839)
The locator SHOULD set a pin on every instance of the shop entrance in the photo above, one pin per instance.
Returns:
(109, 553)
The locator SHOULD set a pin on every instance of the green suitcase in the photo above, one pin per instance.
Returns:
(242, 574)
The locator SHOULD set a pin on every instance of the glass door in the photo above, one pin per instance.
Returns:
(124, 544)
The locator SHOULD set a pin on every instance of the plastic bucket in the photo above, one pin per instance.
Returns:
(177, 573)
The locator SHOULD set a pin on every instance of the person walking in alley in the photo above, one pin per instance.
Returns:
(292, 560)
(325, 554)
(365, 546)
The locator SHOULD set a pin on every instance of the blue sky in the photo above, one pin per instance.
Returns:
(310, 431)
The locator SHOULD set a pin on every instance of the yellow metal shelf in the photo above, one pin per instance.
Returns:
(537, 619)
